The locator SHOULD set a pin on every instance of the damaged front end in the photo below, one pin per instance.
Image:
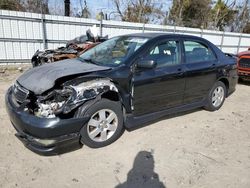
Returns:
(62, 102)
(46, 124)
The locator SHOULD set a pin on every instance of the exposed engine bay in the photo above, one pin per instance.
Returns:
(60, 102)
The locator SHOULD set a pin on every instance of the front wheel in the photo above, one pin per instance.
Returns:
(105, 124)
(216, 96)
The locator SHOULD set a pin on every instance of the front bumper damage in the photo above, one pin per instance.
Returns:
(60, 144)
(45, 136)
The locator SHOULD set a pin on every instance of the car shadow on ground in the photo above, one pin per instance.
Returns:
(142, 174)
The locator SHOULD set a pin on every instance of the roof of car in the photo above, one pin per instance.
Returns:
(153, 35)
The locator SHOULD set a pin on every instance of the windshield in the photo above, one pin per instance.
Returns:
(115, 51)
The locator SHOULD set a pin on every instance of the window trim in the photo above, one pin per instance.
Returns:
(200, 42)
(178, 44)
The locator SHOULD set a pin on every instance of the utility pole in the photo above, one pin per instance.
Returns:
(66, 7)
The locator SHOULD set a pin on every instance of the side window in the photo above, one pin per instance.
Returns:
(165, 53)
(197, 52)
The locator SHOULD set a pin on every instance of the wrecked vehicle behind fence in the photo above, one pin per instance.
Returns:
(124, 82)
(74, 48)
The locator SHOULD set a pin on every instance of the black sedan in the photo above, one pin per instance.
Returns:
(123, 83)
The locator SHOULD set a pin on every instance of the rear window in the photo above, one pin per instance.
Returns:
(197, 52)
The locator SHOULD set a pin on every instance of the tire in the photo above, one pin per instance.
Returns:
(219, 89)
(101, 114)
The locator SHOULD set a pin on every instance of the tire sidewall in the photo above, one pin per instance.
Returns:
(116, 107)
(210, 105)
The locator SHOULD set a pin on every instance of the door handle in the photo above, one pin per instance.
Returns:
(180, 72)
(212, 66)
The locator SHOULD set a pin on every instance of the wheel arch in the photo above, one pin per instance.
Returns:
(116, 96)
(111, 95)
(226, 82)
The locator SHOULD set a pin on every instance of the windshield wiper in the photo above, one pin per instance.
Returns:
(89, 60)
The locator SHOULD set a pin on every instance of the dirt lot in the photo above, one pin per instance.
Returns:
(198, 149)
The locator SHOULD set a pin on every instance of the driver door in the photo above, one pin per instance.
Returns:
(161, 87)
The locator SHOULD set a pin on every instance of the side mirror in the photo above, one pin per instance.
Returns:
(146, 64)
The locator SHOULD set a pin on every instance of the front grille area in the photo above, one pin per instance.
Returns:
(244, 63)
(20, 93)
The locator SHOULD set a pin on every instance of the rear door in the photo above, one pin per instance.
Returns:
(200, 68)
(163, 86)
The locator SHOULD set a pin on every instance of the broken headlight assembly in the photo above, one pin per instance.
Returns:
(52, 104)
(70, 97)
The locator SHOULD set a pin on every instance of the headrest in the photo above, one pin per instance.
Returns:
(200, 51)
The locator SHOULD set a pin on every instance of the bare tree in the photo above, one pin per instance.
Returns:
(243, 17)
(143, 11)
(247, 28)
(17, 5)
(118, 5)
(222, 14)
(56, 7)
(190, 13)
(85, 10)
(37, 6)
(175, 13)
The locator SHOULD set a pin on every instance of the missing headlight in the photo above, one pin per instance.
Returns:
(70, 97)
(50, 105)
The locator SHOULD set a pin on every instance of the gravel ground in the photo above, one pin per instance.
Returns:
(194, 149)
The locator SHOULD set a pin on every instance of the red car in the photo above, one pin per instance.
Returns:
(244, 65)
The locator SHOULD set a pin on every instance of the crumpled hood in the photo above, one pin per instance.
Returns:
(42, 78)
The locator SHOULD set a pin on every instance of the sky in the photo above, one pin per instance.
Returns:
(95, 6)
(107, 6)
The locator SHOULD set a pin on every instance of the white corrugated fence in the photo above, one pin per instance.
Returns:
(22, 33)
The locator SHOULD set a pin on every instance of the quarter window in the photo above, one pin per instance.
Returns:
(196, 52)
(165, 53)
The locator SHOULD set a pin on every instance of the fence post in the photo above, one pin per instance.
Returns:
(45, 45)
(101, 27)
(238, 47)
(222, 40)
(143, 27)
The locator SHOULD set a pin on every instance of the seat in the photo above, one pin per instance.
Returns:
(199, 54)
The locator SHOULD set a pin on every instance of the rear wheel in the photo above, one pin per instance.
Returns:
(105, 124)
(216, 96)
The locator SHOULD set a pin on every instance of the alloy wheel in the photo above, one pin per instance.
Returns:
(102, 125)
(218, 96)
